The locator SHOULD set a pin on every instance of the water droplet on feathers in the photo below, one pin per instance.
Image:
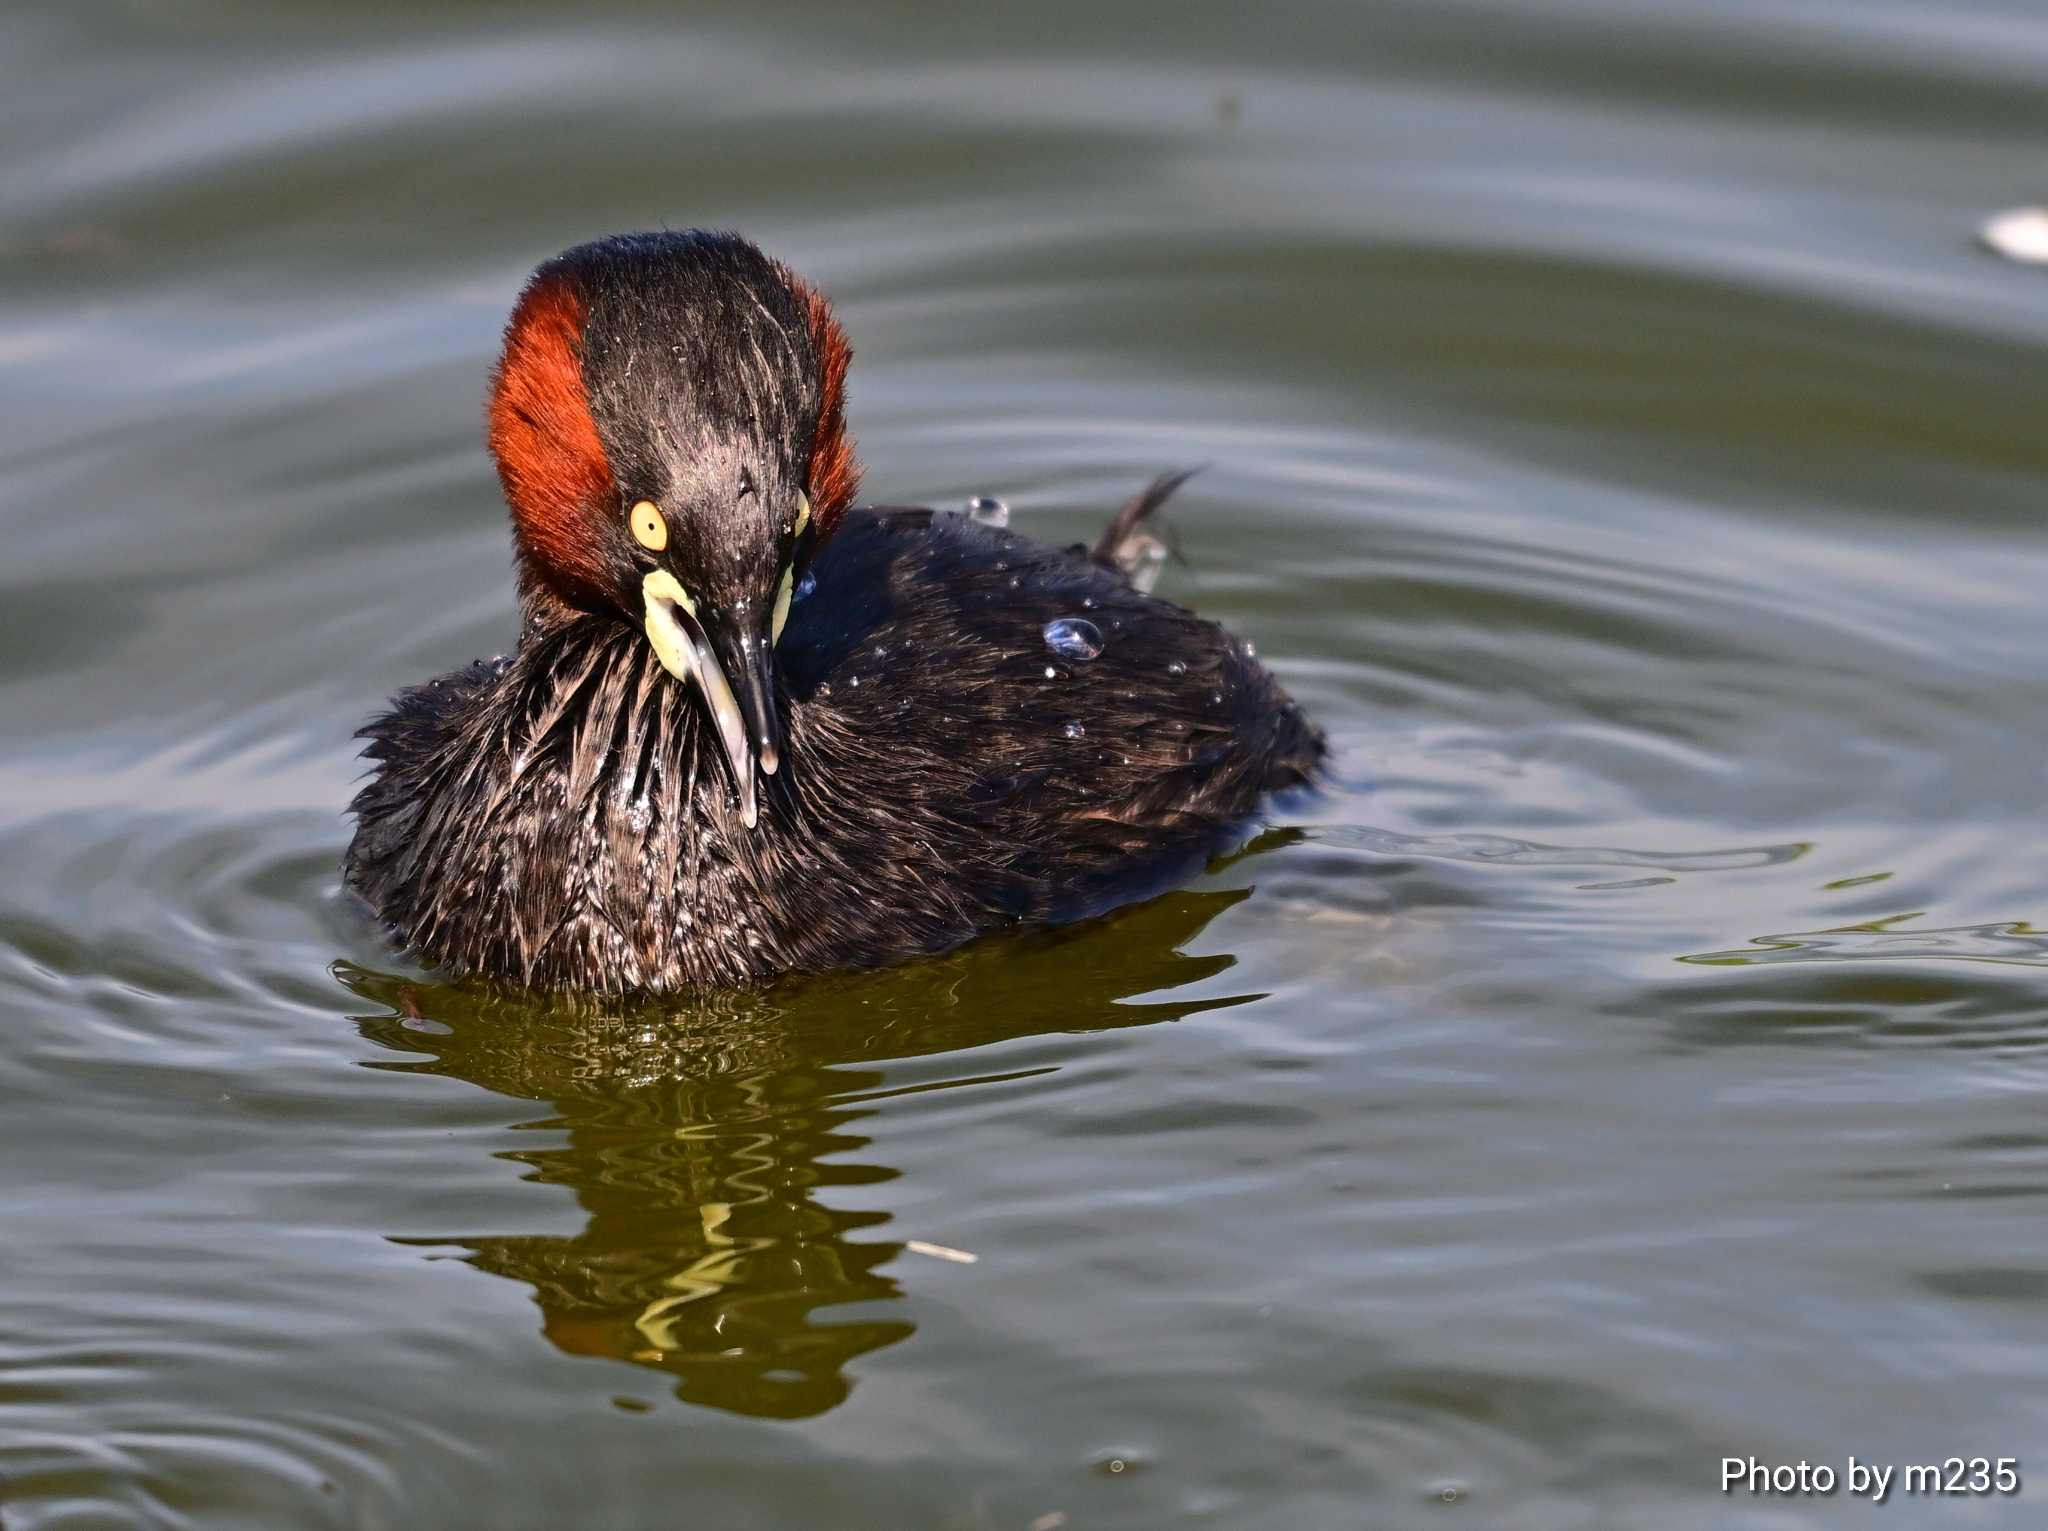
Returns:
(1073, 638)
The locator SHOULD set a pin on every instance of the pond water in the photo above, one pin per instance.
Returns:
(1637, 1055)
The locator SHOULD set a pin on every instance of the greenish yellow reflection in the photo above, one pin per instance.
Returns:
(698, 1136)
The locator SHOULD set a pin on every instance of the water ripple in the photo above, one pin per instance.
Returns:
(2012, 942)
(1505, 850)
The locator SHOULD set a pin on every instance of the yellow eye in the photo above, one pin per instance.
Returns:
(649, 530)
(803, 514)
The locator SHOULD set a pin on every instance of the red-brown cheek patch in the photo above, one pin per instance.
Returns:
(550, 459)
(834, 470)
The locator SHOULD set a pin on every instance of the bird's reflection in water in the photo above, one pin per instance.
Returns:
(700, 1134)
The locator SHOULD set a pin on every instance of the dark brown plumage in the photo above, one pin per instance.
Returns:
(923, 765)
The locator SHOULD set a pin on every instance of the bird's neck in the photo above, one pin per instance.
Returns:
(589, 699)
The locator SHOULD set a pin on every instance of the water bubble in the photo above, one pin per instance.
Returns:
(1176, 668)
(1074, 731)
(804, 587)
(1073, 638)
(1051, 673)
(987, 510)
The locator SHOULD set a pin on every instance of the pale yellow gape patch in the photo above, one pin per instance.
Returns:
(649, 529)
(783, 592)
(787, 588)
(672, 645)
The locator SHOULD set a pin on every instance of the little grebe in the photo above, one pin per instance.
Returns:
(750, 730)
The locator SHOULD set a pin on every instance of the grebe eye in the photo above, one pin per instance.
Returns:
(649, 530)
(803, 514)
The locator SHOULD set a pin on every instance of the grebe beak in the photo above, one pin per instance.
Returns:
(703, 654)
(741, 645)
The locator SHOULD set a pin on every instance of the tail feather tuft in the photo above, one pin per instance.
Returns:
(1126, 545)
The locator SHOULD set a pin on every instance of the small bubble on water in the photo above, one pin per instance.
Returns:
(1051, 673)
(1074, 731)
(2019, 234)
(853, 681)
(1176, 668)
(987, 510)
(804, 587)
(1073, 638)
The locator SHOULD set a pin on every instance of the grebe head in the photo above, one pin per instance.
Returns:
(668, 422)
